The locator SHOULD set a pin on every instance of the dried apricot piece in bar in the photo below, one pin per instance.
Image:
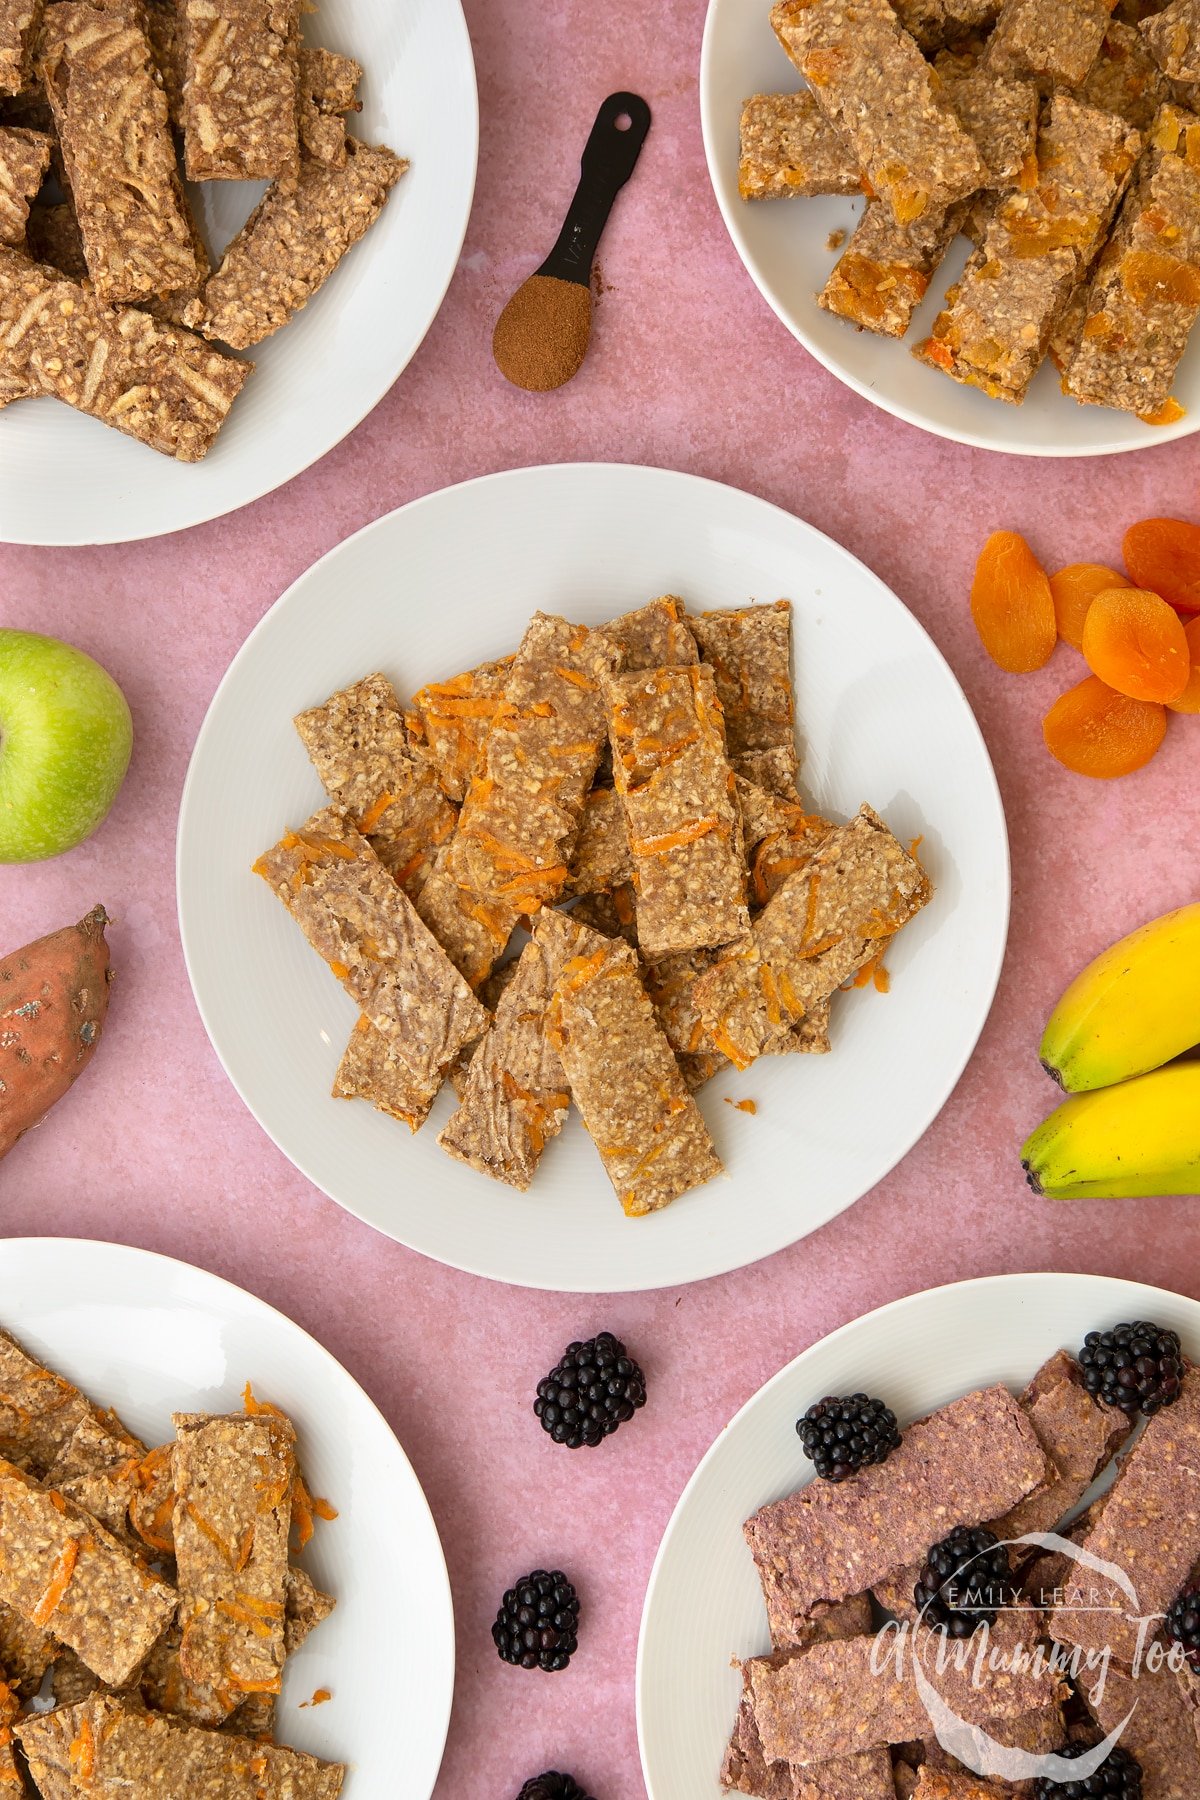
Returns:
(1073, 590)
(1164, 556)
(1189, 700)
(1093, 730)
(1012, 605)
(1135, 643)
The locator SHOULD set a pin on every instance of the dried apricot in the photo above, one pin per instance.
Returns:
(1134, 641)
(1189, 700)
(1074, 588)
(1164, 556)
(1012, 605)
(1093, 730)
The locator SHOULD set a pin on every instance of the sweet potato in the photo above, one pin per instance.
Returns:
(53, 1002)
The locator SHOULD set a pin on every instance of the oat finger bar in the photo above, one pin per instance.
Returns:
(233, 1509)
(999, 318)
(63, 1572)
(448, 721)
(164, 27)
(1079, 1434)
(52, 236)
(749, 649)
(155, 383)
(973, 1459)
(788, 147)
(367, 930)
(372, 1069)
(26, 1652)
(107, 1749)
(832, 917)
(935, 23)
(516, 1095)
(39, 1410)
(884, 272)
(240, 96)
(1055, 41)
(360, 750)
(655, 636)
(1125, 79)
(874, 85)
(111, 113)
(97, 1468)
(624, 1079)
(600, 861)
(1145, 295)
(681, 810)
(1149, 1526)
(19, 21)
(1158, 1713)
(24, 159)
(292, 243)
(1173, 39)
(328, 91)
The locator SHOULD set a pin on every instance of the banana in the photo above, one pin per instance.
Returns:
(1133, 1009)
(1132, 1141)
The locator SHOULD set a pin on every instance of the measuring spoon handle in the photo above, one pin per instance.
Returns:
(609, 158)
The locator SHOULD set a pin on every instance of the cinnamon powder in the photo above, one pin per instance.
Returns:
(541, 337)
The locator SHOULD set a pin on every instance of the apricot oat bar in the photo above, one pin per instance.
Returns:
(788, 147)
(448, 722)
(884, 272)
(681, 811)
(973, 1459)
(833, 916)
(292, 242)
(233, 1508)
(24, 159)
(999, 318)
(1149, 1526)
(328, 91)
(19, 20)
(1173, 38)
(1145, 296)
(156, 383)
(516, 1096)
(935, 23)
(1125, 78)
(366, 929)
(64, 1572)
(115, 137)
(624, 1078)
(874, 85)
(1056, 41)
(107, 1748)
(240, 97)
(360, 750)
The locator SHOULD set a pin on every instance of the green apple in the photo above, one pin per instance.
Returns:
(65, 739)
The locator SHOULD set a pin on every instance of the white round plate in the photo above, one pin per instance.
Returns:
(65, 479)
(453, 579)
(151, 1336)
(704, 1604)
(783, 245)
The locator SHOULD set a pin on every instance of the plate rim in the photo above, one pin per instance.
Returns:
(975, 440)
(888, 1309)
(207, 514)
(135, 1253)
(709, 1268)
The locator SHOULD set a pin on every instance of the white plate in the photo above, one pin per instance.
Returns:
(704, 1604)
(151, 1336)
(783, 245)
(65, 479)
(452, 579)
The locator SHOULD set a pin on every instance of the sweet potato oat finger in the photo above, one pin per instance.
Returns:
(372, 1069)
(156, 383)
(366, 929)
(39, 1410)
(240, 97)
(448, 721)
(111, 112)
(292, 243)
(749, 650)
(600, 860)
(655, 636)
(624, 1078)
(24, 159)
(874, 85)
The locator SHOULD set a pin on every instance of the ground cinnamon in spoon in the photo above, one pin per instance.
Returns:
(542, 335)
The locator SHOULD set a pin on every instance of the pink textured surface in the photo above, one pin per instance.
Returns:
(688, 369)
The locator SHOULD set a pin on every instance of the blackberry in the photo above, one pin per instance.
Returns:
(552, 1786)
(842, 1434)
(592, 1390)
(1138, 1367)
(965, 1581)
(537, 1626)
(1119, 1777)
(1183, 1624)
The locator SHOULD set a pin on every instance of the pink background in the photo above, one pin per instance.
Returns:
(689, 369)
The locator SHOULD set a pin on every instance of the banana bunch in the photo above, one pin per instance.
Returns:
(1131, 1126)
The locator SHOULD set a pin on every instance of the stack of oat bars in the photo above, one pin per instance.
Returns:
(1060, 136)
(827, 1714)
(627, 794)
(108, 297)
(152, 1593)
